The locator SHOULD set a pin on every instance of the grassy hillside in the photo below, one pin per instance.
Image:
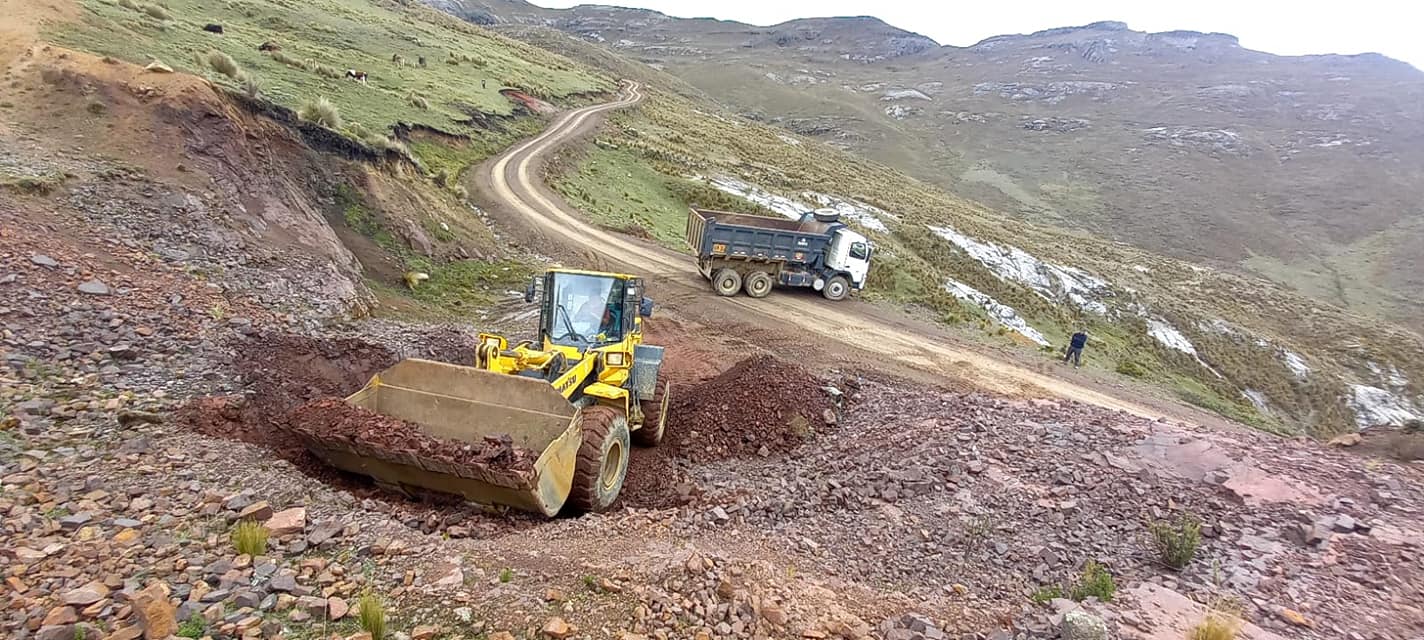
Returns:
(1240, 328)
(1304, 169)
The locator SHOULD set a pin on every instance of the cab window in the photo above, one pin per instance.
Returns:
(860, 250)
(585, 308)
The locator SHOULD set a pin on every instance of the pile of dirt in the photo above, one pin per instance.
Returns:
(332, 422)
(761, 406)
(284, 371)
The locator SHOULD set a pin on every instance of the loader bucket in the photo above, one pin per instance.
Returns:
(467, 404)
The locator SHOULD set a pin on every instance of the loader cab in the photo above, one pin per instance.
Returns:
(584, 309)
(850, 252)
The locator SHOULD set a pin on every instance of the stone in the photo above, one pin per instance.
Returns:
(74, 521)
(259, 511)
(155, 613)
(464, 614)
(131, 632)
(1344, 524)
(501, 635)
(284, 582)
(1294, 617)
(44, 260)
(60, 616)
(773, 614)
(288, 522)
(1345, 440)
(94, 288)
(323, 532)
(557, 629)
(87, 594)
(246, 598)
(1081, 625)
(336, 608)
(424, 632)
(55, 632)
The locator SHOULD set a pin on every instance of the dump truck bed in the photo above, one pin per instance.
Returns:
(463, 404)
(718, 234)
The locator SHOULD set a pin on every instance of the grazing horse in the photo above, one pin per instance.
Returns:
(359, 76)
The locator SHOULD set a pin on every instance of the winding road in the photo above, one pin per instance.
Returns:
(879, 338)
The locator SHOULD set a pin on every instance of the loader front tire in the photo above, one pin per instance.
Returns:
(654, 415)
(727, 282)
(602, 459)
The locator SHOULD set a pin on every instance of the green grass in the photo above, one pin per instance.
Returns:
(338, 35)
(372, 615)
(462, 286)
(1176, 542)
(1095, 582)
(250, 538)
(194, 627)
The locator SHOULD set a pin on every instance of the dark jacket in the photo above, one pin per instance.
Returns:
(1079, 340)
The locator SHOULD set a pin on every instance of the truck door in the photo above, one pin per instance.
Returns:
(850, 252)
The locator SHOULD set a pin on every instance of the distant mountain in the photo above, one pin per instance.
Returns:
(1308, 169)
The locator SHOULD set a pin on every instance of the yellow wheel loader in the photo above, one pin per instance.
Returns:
(578, 396)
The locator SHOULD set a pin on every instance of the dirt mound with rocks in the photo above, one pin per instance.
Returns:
(331, 422)
(285, 371)
(761, 406)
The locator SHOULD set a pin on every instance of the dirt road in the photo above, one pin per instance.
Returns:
(876, 337)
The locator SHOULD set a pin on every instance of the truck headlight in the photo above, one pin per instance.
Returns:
(615, 359)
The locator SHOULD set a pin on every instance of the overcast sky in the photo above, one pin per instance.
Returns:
(1391, 27)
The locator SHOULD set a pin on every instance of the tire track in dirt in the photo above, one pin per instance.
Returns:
(880, 341)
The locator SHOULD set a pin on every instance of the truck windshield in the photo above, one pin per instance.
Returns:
(860, 251)
(586, 310)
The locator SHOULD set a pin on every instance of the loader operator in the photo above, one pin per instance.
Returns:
(592, 317)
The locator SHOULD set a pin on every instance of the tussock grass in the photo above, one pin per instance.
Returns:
(223, 63)
(1095, 581)
(251, 84)
(321, 111)
(155, 11)
(250, 538)
(372, 615)
(1176, 542)
(1219, 624)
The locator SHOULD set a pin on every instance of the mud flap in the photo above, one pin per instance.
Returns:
(643, 380)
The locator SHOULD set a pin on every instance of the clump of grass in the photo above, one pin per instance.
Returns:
(223, 63)
(320, 111)
(251, 84)
(506, 575)
(288, 60)
(157, 12)
(418, 101)
(1217, 625)
(1131, 369)
(372, 615)
(1094, 582)
(130, 4)
(1176, 542)
(250, 537)
(1047, 594)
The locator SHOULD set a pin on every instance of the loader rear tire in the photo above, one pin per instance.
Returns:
(758, 284)
(602, 459)
(654, 415)
(727, 282)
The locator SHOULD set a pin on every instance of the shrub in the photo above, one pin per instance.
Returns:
(506, 575)
(1047, 594)
(418, 101)
(250, 537)
(194, 627)
(1131, 369)
(321, 112)
(1177, 542)
(1094, 582)
(372, 615)
(251, 85)
(223, 63)
(155, 11)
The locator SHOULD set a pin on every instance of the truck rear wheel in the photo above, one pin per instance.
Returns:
(758, 284)
(727, 282)
(602, 461)
(836, 289)
(654, 415)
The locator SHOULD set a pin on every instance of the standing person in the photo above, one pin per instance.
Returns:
(1075, 348)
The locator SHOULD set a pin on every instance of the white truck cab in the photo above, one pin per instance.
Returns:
(850, 252)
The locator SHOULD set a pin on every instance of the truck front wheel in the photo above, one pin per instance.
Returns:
(758, 284)
(727, 282)
(836, 289)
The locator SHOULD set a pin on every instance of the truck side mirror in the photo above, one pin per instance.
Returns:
(645, 307)
(531, 289)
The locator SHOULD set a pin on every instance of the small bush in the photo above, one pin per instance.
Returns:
(1217, 625)
(321, 112)
(251, 84)
(130, 4)
(1176, 543)
(250, 538)
(224, 64)
(1095, 582)
(372, 615)
(1047, 594)
(460, 192)
(419, 102)
(1131, 369)
(506, 575)
(157, 12)
(194, 627)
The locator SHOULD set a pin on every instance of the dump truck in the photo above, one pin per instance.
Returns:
(739, 252)
(578, 397)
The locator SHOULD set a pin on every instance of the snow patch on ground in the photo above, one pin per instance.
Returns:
(1258, 400)
(1374, 406)
(1051, 281)
(872, 218)
(1389, 375)
(902, 94)
(1169, 336)
(1295, 363)
(1141, 269)
(1001, 312)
